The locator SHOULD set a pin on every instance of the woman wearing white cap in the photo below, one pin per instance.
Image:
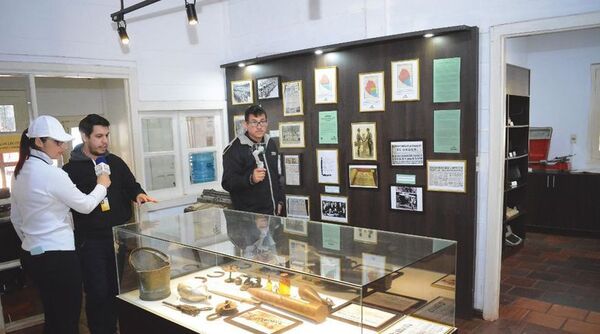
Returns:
(42, 196)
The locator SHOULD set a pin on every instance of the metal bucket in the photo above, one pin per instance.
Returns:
(154, 272)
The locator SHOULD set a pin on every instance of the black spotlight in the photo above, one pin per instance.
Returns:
(122, 29)
(190, 9)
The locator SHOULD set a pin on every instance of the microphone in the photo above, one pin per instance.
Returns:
(101, 167)
(259, 150)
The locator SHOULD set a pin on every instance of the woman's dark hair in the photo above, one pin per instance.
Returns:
(25, 147)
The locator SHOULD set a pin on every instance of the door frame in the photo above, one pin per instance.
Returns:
(492, 237)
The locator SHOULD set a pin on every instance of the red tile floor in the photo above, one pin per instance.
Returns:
(551, 285)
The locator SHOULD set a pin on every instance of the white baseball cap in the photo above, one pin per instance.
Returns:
(48, 126)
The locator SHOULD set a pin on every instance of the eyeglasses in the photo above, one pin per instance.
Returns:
(257, 124)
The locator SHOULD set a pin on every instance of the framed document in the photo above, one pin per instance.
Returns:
(392, 301)
(328, 127)
(412, 325)
(292, 169)
(298, 254)
(447, 175)
(363, 176)
(326, 85)
(241, 92)
(297, 206)
(364, 141)
(405, 80)
(441, 309)
(327, 166)
(295, 226)
(292, 98)
(406, 198)
(291, 134)
(370, 317)
(447, 282)
(407, 153)
(330, 267)
(262, 321)
(268, 88)
(238, 125)
(371, 92)
(372, 267)
(334, 208)
(365, 235)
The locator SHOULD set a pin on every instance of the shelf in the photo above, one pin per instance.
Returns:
(521, 213)
(518, 156)
(506, 190)
(517, 126)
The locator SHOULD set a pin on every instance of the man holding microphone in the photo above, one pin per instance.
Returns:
(250, 172)
(93, 231)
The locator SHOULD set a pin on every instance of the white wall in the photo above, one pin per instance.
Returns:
(175, 62)
(560, 66)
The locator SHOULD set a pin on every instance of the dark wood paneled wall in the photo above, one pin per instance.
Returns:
(446, 215)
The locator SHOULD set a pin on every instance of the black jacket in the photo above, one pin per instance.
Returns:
(122, 191)
(238, 164)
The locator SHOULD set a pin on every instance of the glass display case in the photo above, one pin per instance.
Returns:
(223, 270)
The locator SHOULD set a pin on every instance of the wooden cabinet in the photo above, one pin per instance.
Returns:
(565, 203)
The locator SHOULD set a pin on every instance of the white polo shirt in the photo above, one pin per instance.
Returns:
(41, 198)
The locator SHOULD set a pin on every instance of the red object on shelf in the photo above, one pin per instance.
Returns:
(539, 146)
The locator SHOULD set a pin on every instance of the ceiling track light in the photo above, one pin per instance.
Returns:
(190, 9)
(122, 30)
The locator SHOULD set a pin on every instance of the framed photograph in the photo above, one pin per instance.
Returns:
(241, 92)
(238, 125)
(364, 141)
(292, 98)
(292, 170)
(405, 80)
(372, 267)
(268, 88)
(262, 321)
(363, 176)
(447, 282)
(326, 85)
(298, 254)
(330, 267)
(371, 92)
(365, 235)
(407, 153)
(447, 175)
(406, 198)
(295, 226)
(297, 206)
(327, 166)
(412, 325)
(392, 301)
(291, 135)
(441, 309)
(334, 208)
(370, 317)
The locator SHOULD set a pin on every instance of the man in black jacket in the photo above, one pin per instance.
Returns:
(93, 232)
(250, 172)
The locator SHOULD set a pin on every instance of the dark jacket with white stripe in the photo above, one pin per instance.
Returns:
(238, 164)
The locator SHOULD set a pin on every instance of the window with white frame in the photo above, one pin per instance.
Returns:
(182, 151)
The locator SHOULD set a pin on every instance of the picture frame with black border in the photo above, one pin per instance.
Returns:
(334, 208)
(363, 176)
(245, 320)
(242, 92)
(297, 206)
(400, 155)
(268, 88)
(292, 169)
(404, 197)
(291, 134)
(370, 317)
(393, 301)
